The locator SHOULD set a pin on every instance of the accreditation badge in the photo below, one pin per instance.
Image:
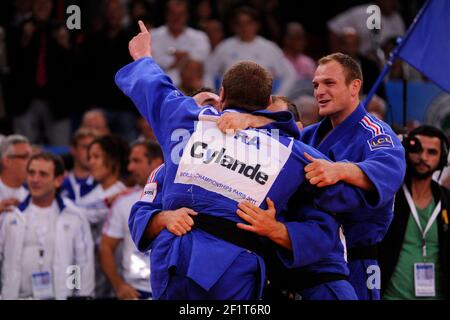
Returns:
(42, 285)
(424, 280)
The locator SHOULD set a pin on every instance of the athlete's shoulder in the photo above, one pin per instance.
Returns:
(157, 174)
(377, 133)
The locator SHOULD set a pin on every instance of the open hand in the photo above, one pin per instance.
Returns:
(260, 221)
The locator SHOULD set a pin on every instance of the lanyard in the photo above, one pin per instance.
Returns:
(433, 217)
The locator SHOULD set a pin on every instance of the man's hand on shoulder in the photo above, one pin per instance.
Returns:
(140, 46)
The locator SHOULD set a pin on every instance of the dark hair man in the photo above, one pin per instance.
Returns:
(44, 237)
(414, 255)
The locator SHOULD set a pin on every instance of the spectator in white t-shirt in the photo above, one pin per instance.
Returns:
(15, 151)
(175, 40)
(356, 17)
(248, 45)
(134, 280)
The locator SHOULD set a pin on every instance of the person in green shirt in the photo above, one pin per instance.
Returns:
(414, 255)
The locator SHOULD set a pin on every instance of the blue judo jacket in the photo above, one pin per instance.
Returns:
(210, 172)
(373, 146)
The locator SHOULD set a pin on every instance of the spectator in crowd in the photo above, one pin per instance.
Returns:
(400, 69)
(377, 107)
(79, 181)
(139, 10)
(41, 78)
(294, 43)
(204, 11)
(15, 151)
(45, 236)
(357, 17)
(96, 120)
(414, 255)
(271, 20)
(22, 11)
(175, 41)
(282, 103)
(4, 69)
(349, 43)
(108, 158)
(144, 129)
(247, 45)
(133, 281)
(309, 109)
(104, 52)
(214, 30)
(191, 76)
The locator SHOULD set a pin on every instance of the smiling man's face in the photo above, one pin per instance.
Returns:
(331, 90)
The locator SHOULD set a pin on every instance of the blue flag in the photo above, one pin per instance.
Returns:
(427, 46)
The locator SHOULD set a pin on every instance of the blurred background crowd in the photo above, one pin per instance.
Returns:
(50, 75)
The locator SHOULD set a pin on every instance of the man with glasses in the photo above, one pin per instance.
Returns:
(15, 151)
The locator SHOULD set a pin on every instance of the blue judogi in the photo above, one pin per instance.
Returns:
(373, 146)
(200, 173)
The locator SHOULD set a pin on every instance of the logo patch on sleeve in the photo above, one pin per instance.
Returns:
(149, 193)
(380, 141)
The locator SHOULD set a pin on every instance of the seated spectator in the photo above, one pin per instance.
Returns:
(96, 120)
(175, 41)
(356, 17)
(294, 44)
(79, 181)
(133, 279)
(247, 45)
(48, 235)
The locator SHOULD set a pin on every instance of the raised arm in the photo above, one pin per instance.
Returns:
(163, 106)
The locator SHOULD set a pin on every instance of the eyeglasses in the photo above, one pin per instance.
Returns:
(25, 156)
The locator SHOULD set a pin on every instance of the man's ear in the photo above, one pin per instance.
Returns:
(59, 181)
(270, 101)
(222, 95)
(356, 87)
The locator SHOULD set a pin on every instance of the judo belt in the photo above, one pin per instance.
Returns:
(227, 230)
(293, 280)
(363, 253)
